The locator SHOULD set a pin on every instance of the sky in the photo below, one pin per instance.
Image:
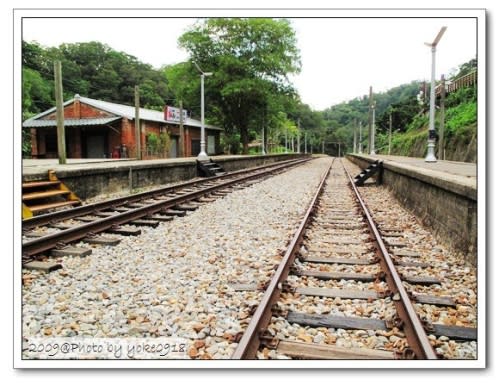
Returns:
(341, 57)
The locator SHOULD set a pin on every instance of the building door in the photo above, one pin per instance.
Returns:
(173, 147)
(211, 144)
(96, 147)
(195, 147)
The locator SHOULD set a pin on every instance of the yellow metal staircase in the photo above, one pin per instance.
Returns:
(42, 196)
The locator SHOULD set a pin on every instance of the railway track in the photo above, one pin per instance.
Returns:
(54, 231)
(344, 276)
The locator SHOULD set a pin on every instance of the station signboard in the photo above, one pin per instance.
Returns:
(173, 114)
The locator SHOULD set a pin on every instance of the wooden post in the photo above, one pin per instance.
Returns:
(61, 137)
(181, 141)
(354, 135)
(441, 153)
(298, 138)
(138, 136)
(360, 137)
(390, 134)
(370, 120)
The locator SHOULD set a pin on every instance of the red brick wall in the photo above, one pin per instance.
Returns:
(73, 135)
(128, 133)
(34, 143)
(114, 140)
(77, 110)
(187, 142)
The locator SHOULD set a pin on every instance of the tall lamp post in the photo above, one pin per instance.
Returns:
(432, 135)
(373, 130)
(202, 156)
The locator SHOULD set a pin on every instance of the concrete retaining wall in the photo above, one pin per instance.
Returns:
(90, 182)
(447, 207)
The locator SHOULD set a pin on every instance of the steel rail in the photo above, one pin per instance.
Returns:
(411, 324)
(250, 341)
(44, 243)
(99, 206)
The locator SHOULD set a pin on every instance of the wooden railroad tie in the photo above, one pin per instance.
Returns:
(336, 275)
(301, 350)
(331, 321)
(124, 231)
(337, 260)
(44, 266)
(71, 251)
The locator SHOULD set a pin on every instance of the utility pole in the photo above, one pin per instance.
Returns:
(138, 135)
(298, 139)
(373, 131)
(390, 133)
(360, 137)
(339, 149)
(286, 141)
(370, 120)
(61, 137)
(263, 140)
(442, 119)
(181, 130)
(354, 135)
(305, 142)
(323, 147)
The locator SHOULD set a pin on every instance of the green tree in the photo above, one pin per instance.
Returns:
(250, 60)
(37, 93)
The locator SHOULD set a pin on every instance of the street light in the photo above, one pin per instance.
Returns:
(202, 156)
(430, 155)
(373, 130)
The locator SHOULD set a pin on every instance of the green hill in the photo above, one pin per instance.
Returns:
(410, 119)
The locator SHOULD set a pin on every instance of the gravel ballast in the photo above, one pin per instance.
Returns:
(180, 279)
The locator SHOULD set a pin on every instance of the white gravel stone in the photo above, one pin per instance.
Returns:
(180, 273)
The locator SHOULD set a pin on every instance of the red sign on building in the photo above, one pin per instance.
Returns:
(173, 114)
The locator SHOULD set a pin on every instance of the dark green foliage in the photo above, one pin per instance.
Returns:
(460, 118)
(250, 60)
(460, 127)
(464, 69)
(90, 69)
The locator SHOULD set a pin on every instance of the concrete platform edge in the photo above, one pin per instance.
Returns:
(438, 179)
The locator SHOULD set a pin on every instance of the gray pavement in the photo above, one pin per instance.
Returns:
(463, 169)
(461, 173)
(37, 166)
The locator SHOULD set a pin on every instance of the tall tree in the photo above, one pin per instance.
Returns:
(250, 60)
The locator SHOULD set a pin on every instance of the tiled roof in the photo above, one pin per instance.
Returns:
(120, 111)
(69, 122)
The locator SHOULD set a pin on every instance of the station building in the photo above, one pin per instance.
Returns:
(100, 129)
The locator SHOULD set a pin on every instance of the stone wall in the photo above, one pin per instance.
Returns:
(121, 175)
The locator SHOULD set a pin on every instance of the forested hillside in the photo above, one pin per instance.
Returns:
(90, 69)
(244, 95)
(247, 96)
(408, 106)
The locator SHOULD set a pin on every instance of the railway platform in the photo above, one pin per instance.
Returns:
(92, 177)
(442, 194)
(35, 167)
(462, 173)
